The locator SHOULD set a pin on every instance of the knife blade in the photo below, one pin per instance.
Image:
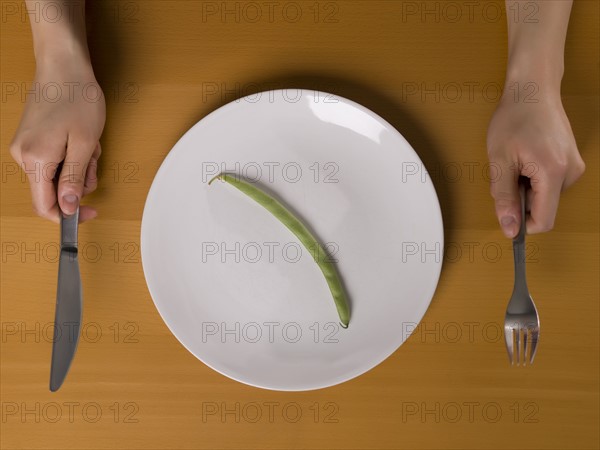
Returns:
(69, 302)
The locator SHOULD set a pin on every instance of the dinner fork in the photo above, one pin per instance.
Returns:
(521, 323)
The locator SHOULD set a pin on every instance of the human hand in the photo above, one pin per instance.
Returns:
(62, 122)
(533, 139)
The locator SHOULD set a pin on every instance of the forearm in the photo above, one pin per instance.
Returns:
(536, 47)
(61, 37)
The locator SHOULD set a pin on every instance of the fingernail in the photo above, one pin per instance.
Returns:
(509, 226)
(70, 201)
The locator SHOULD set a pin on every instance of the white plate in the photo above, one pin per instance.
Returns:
(228, 278)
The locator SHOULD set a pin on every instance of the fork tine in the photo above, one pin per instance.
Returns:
(525, 346)
(513, 340)
(534, 340)
(516, 334)
(508, 339)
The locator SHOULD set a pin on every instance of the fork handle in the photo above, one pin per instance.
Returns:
(519, 247)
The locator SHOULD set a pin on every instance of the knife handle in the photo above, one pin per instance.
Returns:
(68, 230)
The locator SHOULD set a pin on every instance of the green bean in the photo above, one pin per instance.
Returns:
(320, 256)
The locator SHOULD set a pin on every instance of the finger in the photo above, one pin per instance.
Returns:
(87, 213)
(43, 196)
(72, 175)
(91, 174)
(576, 170)
(97, 151)
(505, 191)
(41, 182)
(544, 199)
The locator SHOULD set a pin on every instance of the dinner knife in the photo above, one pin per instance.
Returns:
(69, 302)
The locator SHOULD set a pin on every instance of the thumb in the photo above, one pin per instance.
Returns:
(72, 177)
(505, 191)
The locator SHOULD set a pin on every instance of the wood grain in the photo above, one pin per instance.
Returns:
(166, 64)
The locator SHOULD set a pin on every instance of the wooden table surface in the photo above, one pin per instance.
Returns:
(166, 64)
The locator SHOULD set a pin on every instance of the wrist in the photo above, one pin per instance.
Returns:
(69, 61)
(546, 70)
(61, 51)
(540, 73)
